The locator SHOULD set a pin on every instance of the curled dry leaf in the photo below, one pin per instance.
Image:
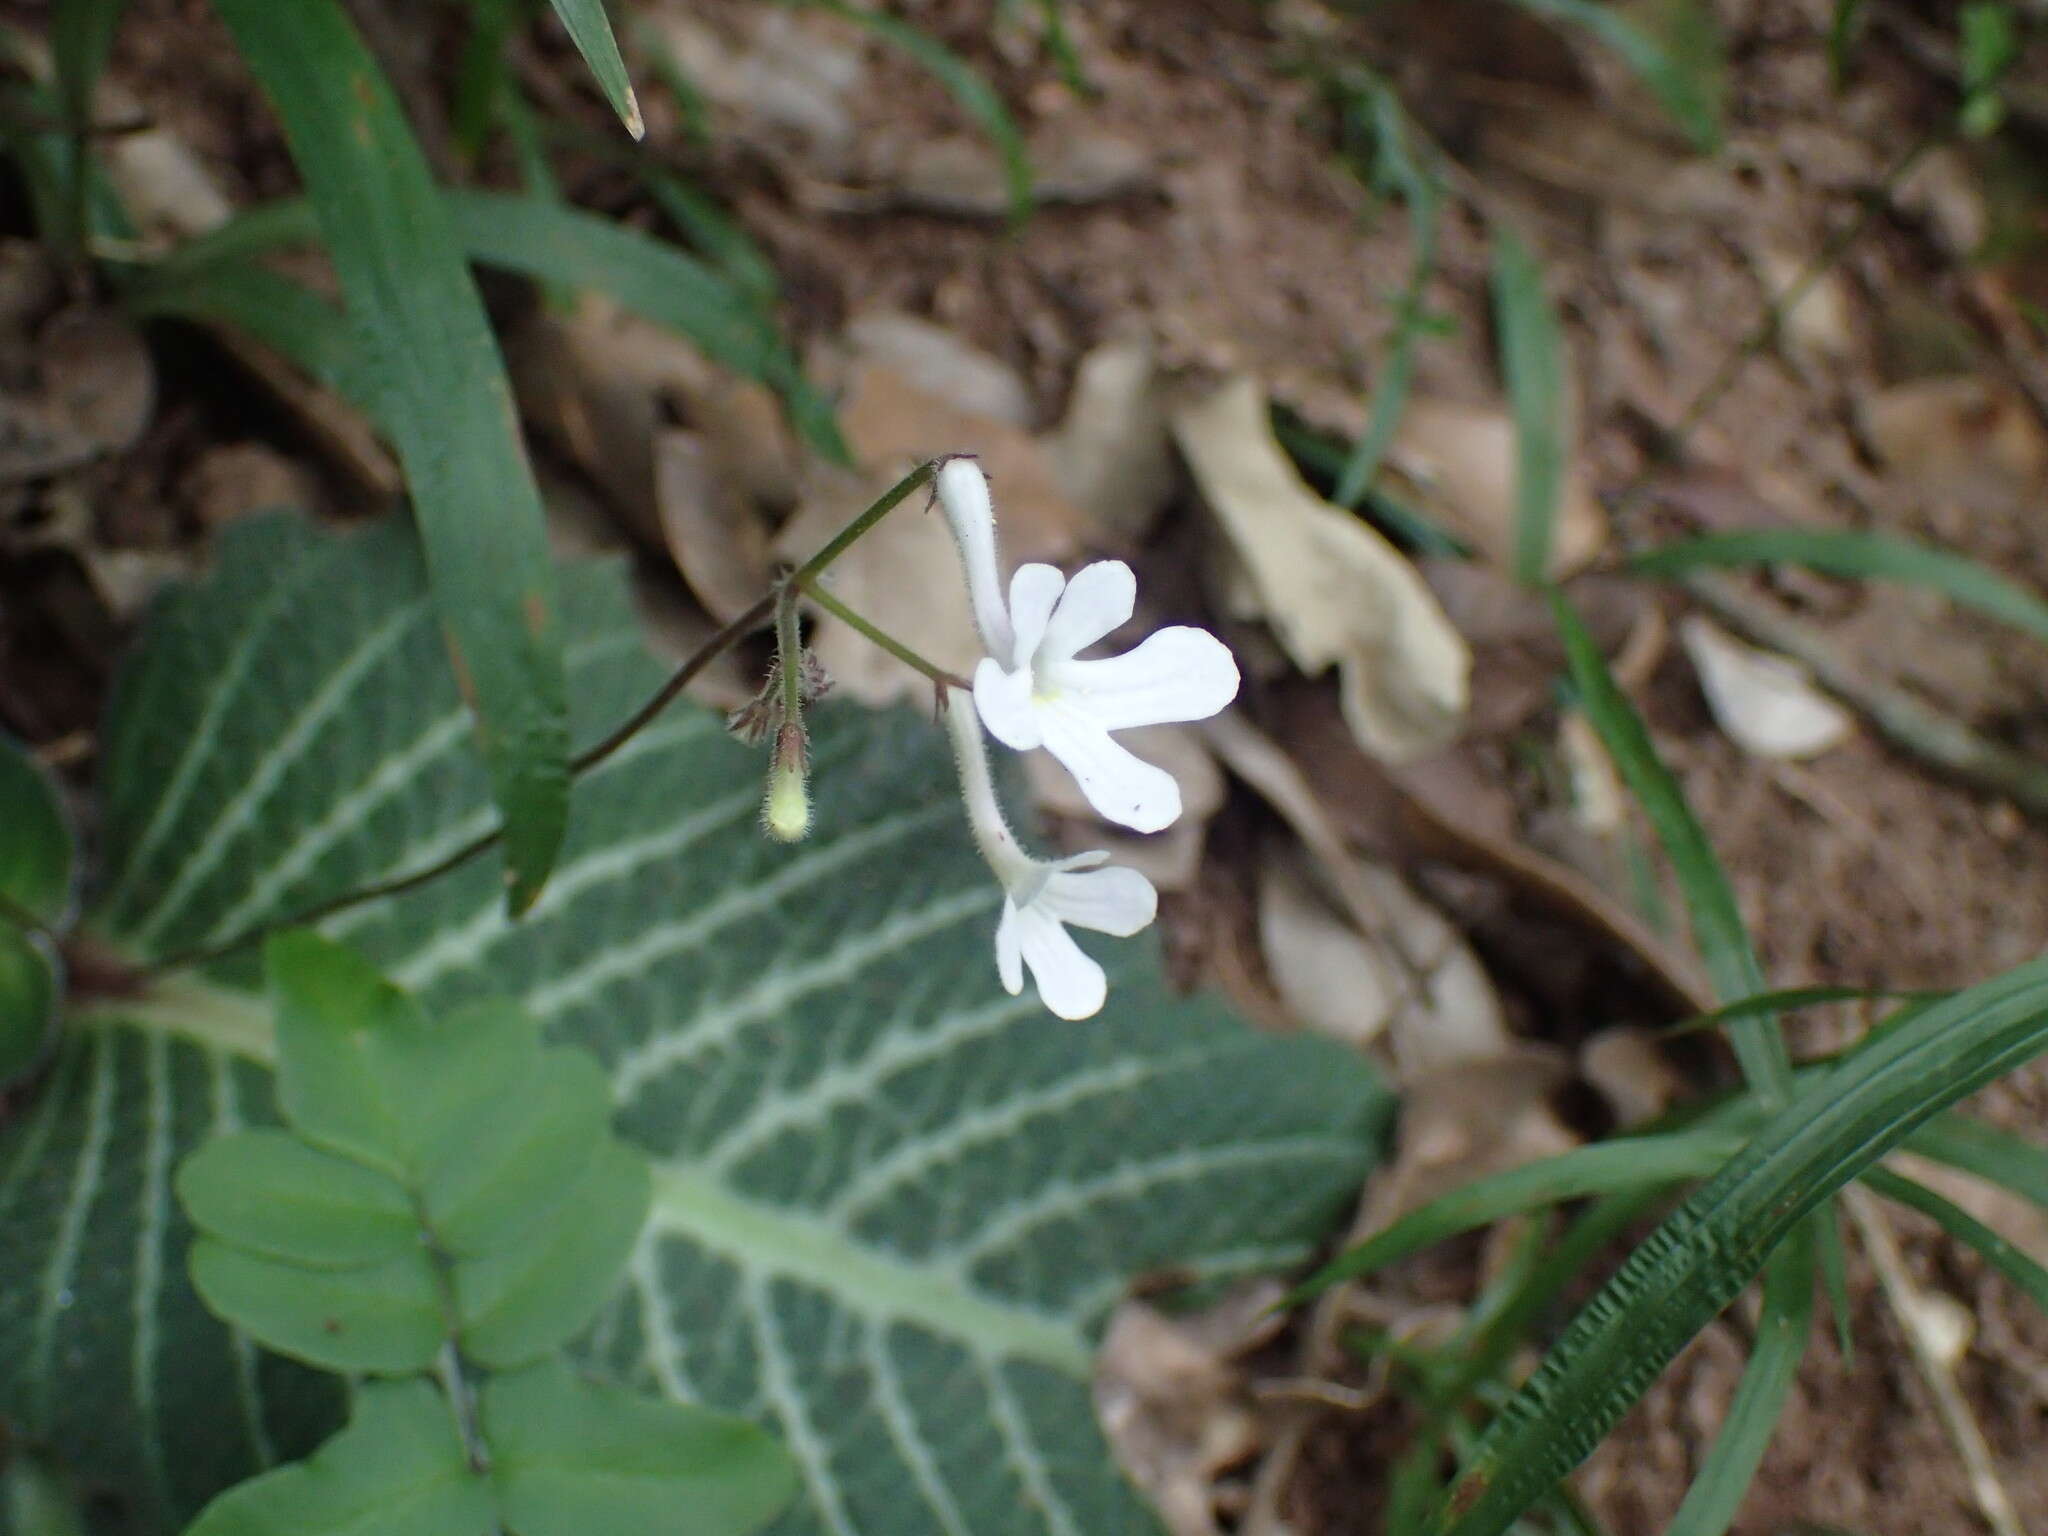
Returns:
(602, 384)
(1174, 1409)
(91, 391)
(714, 535)
(1769, 705)
(1465, 1120)
(1112, 452)
(939, 362)
(1461, 461)
(1416, 977)
(1962, 437)
(1334, 591)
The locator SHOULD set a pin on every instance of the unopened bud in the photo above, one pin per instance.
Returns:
(786, 812)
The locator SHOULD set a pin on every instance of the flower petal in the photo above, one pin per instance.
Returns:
(1098, 599)
(1177, 674)
(1069, 983)
(962, 492)
(1116, 901)
(1004, 700)
(1009, 950)
(1122, 788)
(1034, 593)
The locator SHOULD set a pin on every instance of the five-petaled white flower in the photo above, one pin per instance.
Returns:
(1040, 897)
(1033, 689)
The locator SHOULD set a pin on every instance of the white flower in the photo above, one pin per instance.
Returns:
(1040, 897)
(1033, 689)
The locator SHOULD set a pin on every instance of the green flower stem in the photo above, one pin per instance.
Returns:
(886, 641)
(851, 533)
(789, 655)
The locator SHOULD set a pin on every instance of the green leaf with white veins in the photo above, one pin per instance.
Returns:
(892, 1205)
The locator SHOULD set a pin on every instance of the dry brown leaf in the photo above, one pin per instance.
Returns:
(1112, 452)
(1461, 460)
(716, 538)
(1466, 1120)
(1768, 705)
(939, 362)
(961, 175)
(1418, 979)
(1174, 1410)
(779, 75)
(92, 393)
(1334, 591)
(1958, 437)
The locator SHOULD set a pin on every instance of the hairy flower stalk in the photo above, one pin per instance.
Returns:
(1040, 897)
(1033, 689)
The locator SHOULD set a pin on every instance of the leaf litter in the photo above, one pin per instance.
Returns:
(1208, 235)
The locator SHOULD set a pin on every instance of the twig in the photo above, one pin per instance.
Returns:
(1910, 1305)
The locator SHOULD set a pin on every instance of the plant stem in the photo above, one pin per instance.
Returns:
(845, 538)
(882, 638)
(22, 918)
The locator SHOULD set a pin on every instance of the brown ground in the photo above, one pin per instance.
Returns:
(1240, 240)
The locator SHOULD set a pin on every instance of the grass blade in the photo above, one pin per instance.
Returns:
(967, 88)
(81, 38)
(1849, 553)
(1710, 902)
(1768, 1005)
(564, 247)
(1759, 1402)
(1532, 357)
(442, 392)
(1609, 1167)
(1396, 167)
(285, 316)
(1684, 86)
(587, 28)
(1702, 1256)
(2025, 1274)
(1996, 1156)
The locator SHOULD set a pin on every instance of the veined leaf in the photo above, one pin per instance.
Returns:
(397, 1470)
(1850, 553)
(892, 1204)
(592, 35)
(1706, 1252)
(569, 1457)
(31, 980)
(35, 842)
(441, 392)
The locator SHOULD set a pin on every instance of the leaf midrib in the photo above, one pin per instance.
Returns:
(793, 1245)
(765, 1239)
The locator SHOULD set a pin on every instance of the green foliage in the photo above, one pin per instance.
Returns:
(592, 35)
(36, 878)
(36, 849)
(1703, 1254)
(892, 1205)
(448, 1198)
(1394, 170)
(1853, 554)
(432, 365)
(1989, 44)
(453, 1182)
(222, 278)
(1532, 357)
(1683, 72)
